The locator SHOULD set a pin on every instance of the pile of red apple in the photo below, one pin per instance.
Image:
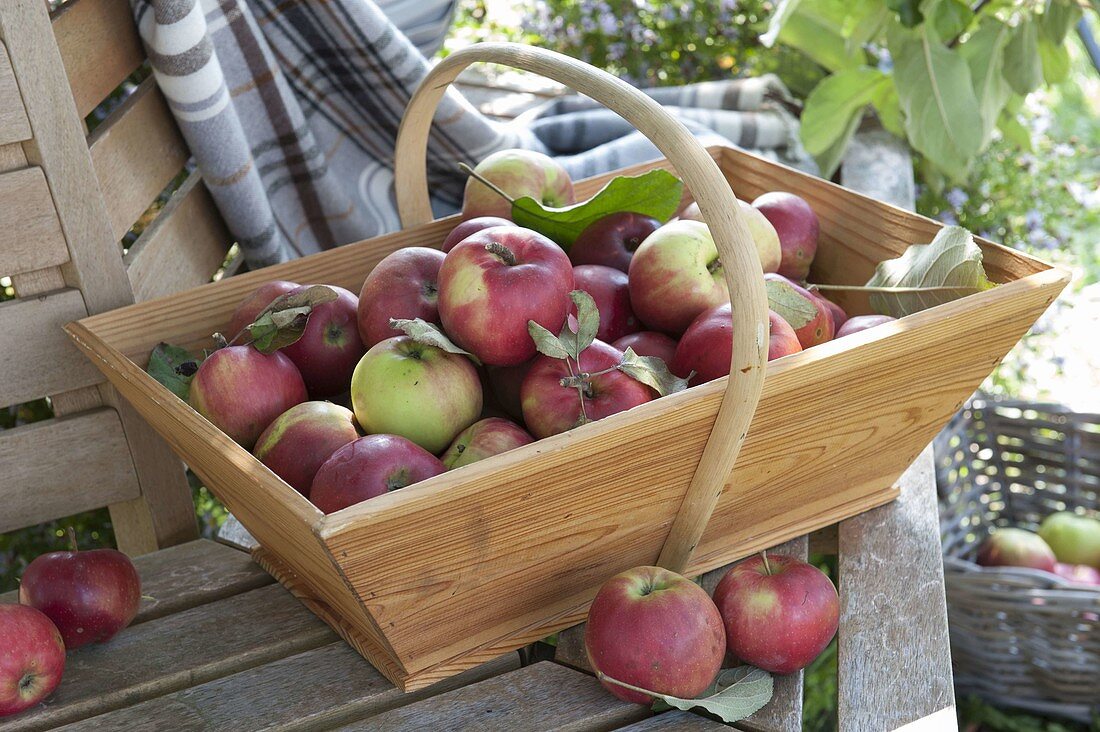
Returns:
(652, 631)
(1067, 544)
(439, 353)
(66, 600)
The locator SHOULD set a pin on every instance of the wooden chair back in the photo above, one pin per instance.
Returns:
(69, 203)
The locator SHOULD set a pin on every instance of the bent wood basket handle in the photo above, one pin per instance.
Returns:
(741, 266)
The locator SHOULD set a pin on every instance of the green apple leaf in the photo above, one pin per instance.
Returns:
(429, 334)
(588, 324)
(173, 367)
(737, 693)
(656, 193)
(310, 297)
(653, 372)
(1022, 68)
(833, 111)
(1014, 131)
(984, 53)
(908, 11)
(946, 269)
(783, 10)
(1058, 17)
(1054, 58)
(278, 328)
(789, 304)
(546, 342)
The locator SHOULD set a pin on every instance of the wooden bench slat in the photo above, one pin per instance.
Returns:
(317, 689)
(894, 658)
(188, 575)
(14, 125)
(30, 232)
(675, 722)
(47, 466)
(99, 46)
(542, 698)
(136, 152)
(179, 651)
(182, 248)
(45, 361)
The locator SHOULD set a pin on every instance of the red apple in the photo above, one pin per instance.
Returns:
(403, 285)
(518, 173)
(819, 328)
(648, 343)
(706, 346)
(782, 340)
(836, 313)
(691, 212)
(483, 439)
(369, 467)
(495, 281)
(862, 322)
(330, 346)
(417, 391)
(471, 226)
(675, 275)
(780, 614)
(90, 596)
(1016, 548)
(251, 306)
(550, 408)
(797, 226)
(1081, 574)
(241, 391)
(656, 630)
(505, 383)
(302, 438)
(612, 240)
(32, 658)
(609, 289)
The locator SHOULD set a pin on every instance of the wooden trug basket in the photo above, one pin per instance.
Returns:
(438, 577)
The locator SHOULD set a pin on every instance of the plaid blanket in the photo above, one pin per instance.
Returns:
(291, 109)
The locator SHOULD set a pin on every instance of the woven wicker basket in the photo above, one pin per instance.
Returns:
(1019, 637)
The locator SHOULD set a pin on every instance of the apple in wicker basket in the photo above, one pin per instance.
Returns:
(505, 383)
(1081, 574)
(1016, 548)
(330, 345)
(518, 173)
(405, 284)
(251, 306)
(471, 226)
(764, 236)
(497, 280)
(420, 392)
(818, 327)
(797, 226)
(483, 439)
(707, 345)
(675, 275)
(612, 240)
(300, 439)
(611, 293)
(90, 596)
(550, 408)
(241, 391)
(654, 629)
(369, 467)
(861, 323)
(1074, 539)
(648, 343)
(32, 658)
(779, 612)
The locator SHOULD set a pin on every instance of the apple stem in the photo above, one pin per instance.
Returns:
(714, 265)
(767, 564)
(71, 532)
(864, 288)
(604, 677)
(498, 249)
(485, 181)
(580, 389)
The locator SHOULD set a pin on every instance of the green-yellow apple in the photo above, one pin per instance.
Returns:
(797, 226)
(1075, 539)
(675, 275)
(764, 236)
(32, 658)
(484, 439)
(241, 391)
(612, 240)
(518, 173)
(330, 345)
(369, 467)
(779, 614)
(550, 408)
(656, 630)
(404, 285)
(416, 391)
(1016, 548)
(300, 439)
(497, 280)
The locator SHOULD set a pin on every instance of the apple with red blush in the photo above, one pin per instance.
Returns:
(32, 658)
(470, 226)
(1009, 547)
(518, 173)
(610, 291)
(369, 467)
(251, 307)
(302, 438)
(648, 343)
(818, 327)
(797, 226)
(612, 240)
(859, 323)
(1081, 574)
(782, 340)
(404, 285)
(484, 439)
(330, 345)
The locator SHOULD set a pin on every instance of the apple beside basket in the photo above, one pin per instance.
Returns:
(441, 576)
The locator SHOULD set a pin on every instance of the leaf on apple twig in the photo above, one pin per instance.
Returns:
(789, 304)
(284, 321)
(734, 695)
(653, 372)
(173, 367)
(656, 194)
(588, 324)
(429, 334)
(946, 269)
(546, 342)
